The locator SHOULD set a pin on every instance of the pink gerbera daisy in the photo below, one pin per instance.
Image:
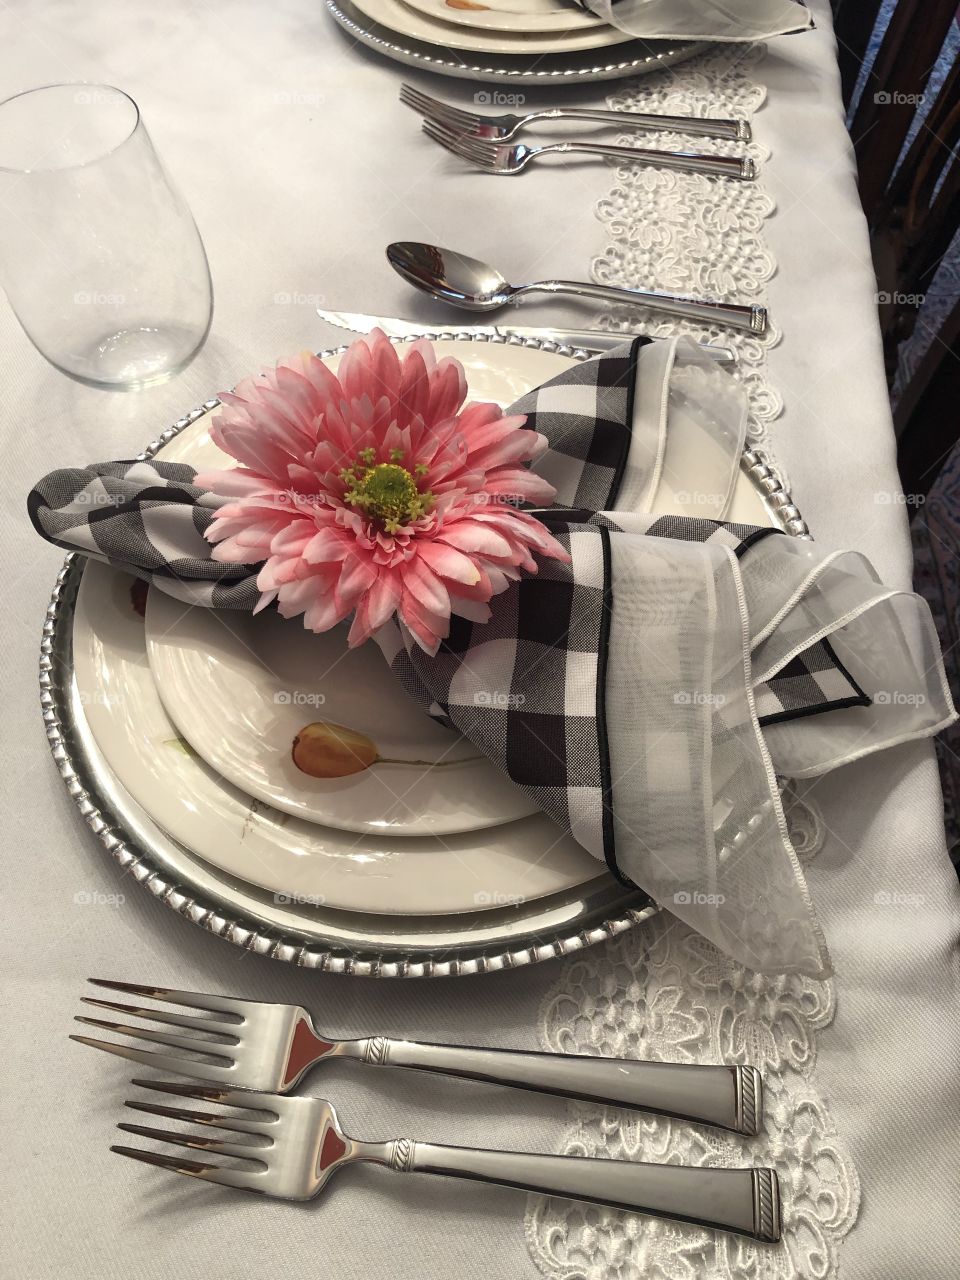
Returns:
(374, 491)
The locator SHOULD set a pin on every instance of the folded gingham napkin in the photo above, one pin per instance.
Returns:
(648, 693)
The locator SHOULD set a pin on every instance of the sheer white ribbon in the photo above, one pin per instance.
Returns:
(703, 19)
(694, 631)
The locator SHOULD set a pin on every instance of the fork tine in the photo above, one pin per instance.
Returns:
(194, 1044)
(447, 118)
(442, 126)
(161, 1015)
(234, 1123)
(455, 147)
(413, 94)
(482, 146)
(419, 100)
(425, 105)
(463, 142)
(447, 143)
(193, 999)
(162, 1061)
(193, 1142)
(241, 1178)
(249, 1098)
(482, 155)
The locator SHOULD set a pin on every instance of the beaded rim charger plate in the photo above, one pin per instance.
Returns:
(545, 69)
(357, 926)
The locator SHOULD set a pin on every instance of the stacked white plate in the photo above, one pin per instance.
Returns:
(521, 42)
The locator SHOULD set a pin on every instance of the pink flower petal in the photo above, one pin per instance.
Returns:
(472, 536)
(423, 583)
(328, 543)
(383, 599)
(324, 611)
(236, 482)
(356, 577)
(426, 627)
(474, 610)
(447, 562)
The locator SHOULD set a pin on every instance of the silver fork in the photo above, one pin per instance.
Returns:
(510, 158)
(504, 127)
(299, 1145)
(247, 1044)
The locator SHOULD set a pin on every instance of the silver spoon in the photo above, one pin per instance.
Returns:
(475, 286)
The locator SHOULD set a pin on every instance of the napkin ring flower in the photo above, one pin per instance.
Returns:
(376, 491)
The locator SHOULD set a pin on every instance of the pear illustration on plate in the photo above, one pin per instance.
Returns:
(327, 750)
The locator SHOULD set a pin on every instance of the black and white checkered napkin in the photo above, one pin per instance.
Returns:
(147, 518)
(631, 690)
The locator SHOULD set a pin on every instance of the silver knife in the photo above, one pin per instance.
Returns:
(583, 339)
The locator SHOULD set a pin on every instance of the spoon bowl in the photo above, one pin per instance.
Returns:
(450, 276)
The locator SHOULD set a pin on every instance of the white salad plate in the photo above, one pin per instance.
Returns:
(347, 901)
(316, 729)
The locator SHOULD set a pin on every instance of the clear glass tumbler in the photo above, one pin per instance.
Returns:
(99, 254)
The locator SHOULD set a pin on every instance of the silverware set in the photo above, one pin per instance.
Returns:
(486, 142)
(248, 1056)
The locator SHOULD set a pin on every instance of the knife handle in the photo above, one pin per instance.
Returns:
(728, 1097)
(751, 317)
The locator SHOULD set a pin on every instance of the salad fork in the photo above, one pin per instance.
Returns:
(247, 1044)
(511, 158)
(299, 1145)
(505, 127)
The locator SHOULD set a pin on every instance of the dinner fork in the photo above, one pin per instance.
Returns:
(300, 1144)
(510, 158)
(504, 127)
(248, 1044)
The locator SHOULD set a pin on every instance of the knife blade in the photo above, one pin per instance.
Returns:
(394, 327)
(585, 339)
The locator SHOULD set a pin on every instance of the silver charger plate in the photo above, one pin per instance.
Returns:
(318, 936)
(634, 58)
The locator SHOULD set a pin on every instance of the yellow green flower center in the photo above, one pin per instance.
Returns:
(385, 491)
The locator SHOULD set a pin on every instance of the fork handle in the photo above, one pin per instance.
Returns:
(752, 318)
(746, 1201)
(741, 167)
(729, 1097)
(702, 126)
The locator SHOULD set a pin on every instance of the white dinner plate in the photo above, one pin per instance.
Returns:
(316, 729)
(423, 26)
(299, 862)
(511, 15)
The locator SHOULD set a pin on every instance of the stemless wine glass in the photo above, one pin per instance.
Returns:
(99, 254)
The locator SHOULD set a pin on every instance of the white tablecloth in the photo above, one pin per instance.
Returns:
(300, 167)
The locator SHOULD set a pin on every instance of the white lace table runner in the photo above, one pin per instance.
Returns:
(689, 233)
(660, 991)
